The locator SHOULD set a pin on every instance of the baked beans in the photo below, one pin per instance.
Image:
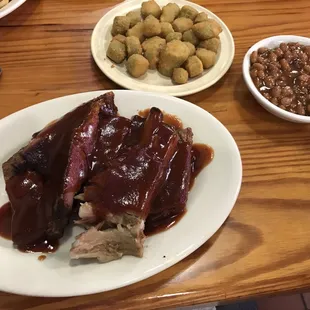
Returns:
(282, 75)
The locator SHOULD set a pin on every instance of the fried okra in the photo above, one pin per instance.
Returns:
(208, 58)
(174, 36)
(134, 17)
(191, 48)
(194, 66)
(211, 44)
(133, 46)
(116, 51)
(180, 76)
(179, 42)
(151, 27)
(137, 65)
(150, 8)
(137, 31)
(166, 28)
(120, 38)
(169, 13)
(152, 55)
(172, 56)
(189, 36)
(152, 48)
(201, 17)
(207, 30)
(153, 43)
(121, 25)
(188, 12)
(182, 24)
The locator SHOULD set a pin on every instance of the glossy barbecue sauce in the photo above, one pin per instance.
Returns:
(131, 184)
(5, 232)
(202, 156)
(46, 246)
(37, 186)
(5, 221)
(153, 228)
(169, 119)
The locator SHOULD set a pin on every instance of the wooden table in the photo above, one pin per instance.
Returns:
(263, 247)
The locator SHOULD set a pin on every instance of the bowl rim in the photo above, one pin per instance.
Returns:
(255, 92)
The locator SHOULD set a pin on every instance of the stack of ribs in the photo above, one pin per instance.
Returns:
(130, 176)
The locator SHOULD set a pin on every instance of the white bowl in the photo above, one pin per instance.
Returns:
(272, 42)
(12, 6)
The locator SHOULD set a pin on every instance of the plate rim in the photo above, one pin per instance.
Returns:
(172, 93)
(189, 251)
(11, 8)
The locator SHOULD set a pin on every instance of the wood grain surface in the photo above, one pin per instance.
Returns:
(263, 247)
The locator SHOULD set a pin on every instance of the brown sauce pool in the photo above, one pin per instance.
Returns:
(202, 156)
(5, 221)
(45, 246)
(5, 232)
(151, 229)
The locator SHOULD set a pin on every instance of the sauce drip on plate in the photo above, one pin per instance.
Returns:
(5, 232)
(41, 258)
(202, 156)
(5, 221)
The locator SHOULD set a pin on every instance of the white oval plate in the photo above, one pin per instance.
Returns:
(10, 7)
(210, 202)
(152, 80)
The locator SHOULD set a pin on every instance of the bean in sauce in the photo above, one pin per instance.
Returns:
(282, 75)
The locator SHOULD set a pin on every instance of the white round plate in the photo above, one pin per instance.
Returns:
(210, 202)
(10, 7)
(153, 80)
